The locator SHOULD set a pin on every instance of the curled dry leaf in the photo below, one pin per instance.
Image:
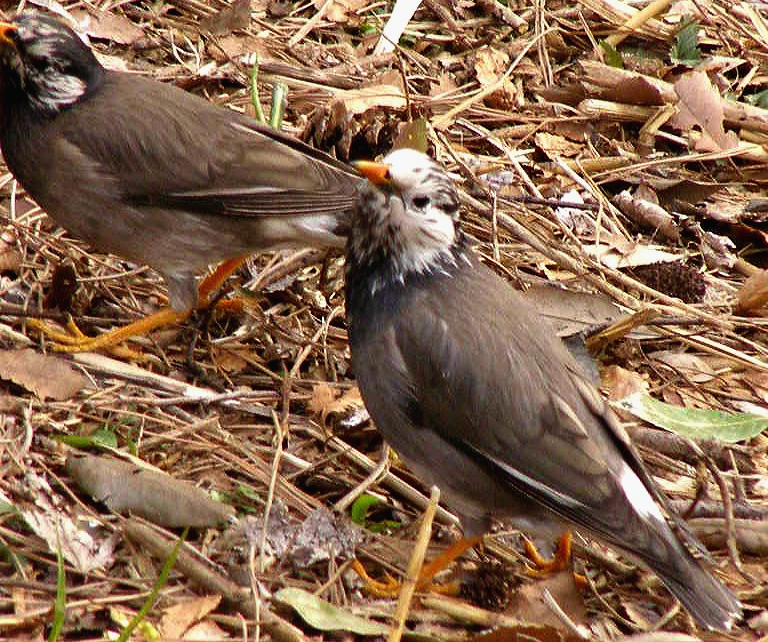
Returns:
(49, 517)
(340, 10)
(324, 401)
(753, 295)
(46, 376)
(490, 65)
(178, 618)
(700, 106)
(620, 382)
(106, 25)
(10, 257)
(234, 16)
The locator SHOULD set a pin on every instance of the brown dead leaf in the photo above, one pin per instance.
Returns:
(324, 402)
(753, 295)
(222, 23)
(527, 633)
(630, 254)
(490, 65)
(621, 383)
(693, 367)
(446, 85)
(46, 376)
(10, 257)
(233, 46)
(50, 517)
(634, 91)
(179, 617)
(106, 25)
(700, 106)
(358, 101)
(648, 214)
(340, 10)
(528, 605)
(555, 146)
(570, 311)
(230, 361)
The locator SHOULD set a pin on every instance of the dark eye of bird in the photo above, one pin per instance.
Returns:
(420, 201)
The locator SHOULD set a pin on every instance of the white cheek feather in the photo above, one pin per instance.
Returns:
(55, 88)
(423, 237)
(638, 495)
(60, 90)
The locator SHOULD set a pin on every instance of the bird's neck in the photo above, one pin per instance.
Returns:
(380, 280)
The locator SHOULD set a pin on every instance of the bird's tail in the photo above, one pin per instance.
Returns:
(680, 567)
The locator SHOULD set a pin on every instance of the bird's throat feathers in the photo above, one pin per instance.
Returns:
(378, 281)
(395, 245)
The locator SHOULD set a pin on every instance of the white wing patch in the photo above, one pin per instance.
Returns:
(638, 495)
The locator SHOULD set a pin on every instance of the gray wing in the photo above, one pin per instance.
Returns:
(500, 390)
(198, 157)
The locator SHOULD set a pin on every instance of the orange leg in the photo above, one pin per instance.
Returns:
(561, 560)
(76, 341)
(211, 282)
(390, 587)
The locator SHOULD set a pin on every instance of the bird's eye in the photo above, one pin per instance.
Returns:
(420, 201)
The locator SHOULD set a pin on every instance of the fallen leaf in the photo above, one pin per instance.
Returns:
(107, 25)
(753, 295)
(630, 255)
(182, 615)
(358, 101)
(340, 10)
(700, 106)
(621, 383)
(694, 422)
(10, 256)
(48, 377)
(87, 549)
(324, 616)
(693, 367)
(490, 65)
(222, 23)
(157, 497)
(554, 146)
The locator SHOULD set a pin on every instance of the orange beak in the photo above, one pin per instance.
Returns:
(377, 173)
(7, 29)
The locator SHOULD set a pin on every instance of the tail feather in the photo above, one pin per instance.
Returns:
(709, 601)
(688, 577)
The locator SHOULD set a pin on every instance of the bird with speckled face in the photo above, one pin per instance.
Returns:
(152, 173)
(479, 397)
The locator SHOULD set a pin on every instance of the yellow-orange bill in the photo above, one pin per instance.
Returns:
(377, 173)
(6, 29)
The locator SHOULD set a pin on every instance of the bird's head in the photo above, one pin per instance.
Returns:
(407, 213)
(46, 62)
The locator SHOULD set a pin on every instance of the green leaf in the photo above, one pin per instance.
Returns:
(760, 99)
(612, 56)
(686, 48)
(360, 507)
(694, 422)
(60, 603)
(324, 616)
(359, 514)
(97, 439)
